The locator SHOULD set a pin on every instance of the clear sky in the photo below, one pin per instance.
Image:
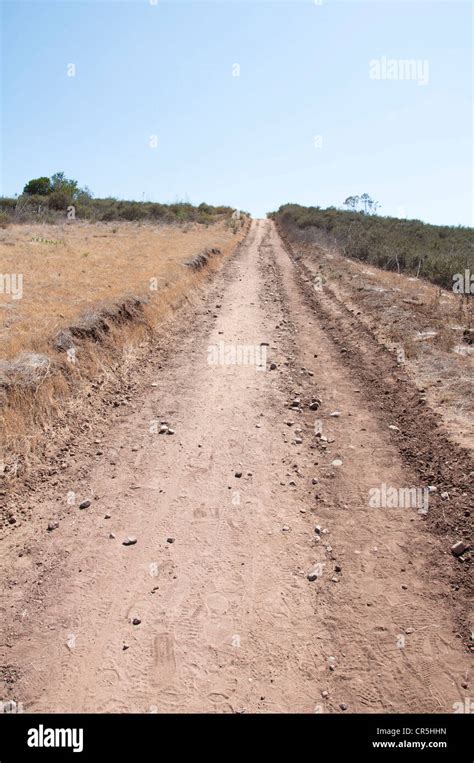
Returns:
(166, 69)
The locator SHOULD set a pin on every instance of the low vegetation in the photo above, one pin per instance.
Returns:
(58, 198)
(434, 252)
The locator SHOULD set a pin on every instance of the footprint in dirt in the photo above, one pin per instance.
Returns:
(164, 659)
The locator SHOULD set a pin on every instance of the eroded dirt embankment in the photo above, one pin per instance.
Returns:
(54, 393)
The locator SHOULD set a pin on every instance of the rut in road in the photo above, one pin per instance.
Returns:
(229, 621)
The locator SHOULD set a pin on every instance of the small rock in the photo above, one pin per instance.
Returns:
(84, 505)
(107, 516)
(12, 519)
(393, 428)
(343, 706)
(238, 475)
(432, 489)
(315, 481)
(335, 414)
(136, 621)
(298, 440)
(112, 536)
(170, 431)
(273, 366)
(313, 575)
(285, 529)
(444, 496)
(125, 647)
(459, 548)
(404, 587)
(338, 568)
(163, 429)
(325, 694)
(130, 541)
(52, 526)
(336, 462)
(170, 540)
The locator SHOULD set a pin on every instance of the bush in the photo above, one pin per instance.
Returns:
(132, 212)
(37, 207)
(109, 215)
(4, 219)
(432, 251)
(38, 187)
(59, 200)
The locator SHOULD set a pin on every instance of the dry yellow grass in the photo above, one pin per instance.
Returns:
(68, 269)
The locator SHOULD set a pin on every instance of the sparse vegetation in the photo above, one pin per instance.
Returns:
(47, 200)
(100, 290)
(434, 252)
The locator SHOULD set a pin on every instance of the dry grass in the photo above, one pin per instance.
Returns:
(88, 265)
(93, 266)
(416, 316)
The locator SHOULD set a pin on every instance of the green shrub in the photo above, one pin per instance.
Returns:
(431, 251)
(132, 212)
(59, 200)
(38, 187)
(31, 207)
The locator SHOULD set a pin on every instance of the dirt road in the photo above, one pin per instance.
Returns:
(217, 581)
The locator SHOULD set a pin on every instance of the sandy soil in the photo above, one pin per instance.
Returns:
(228, 619)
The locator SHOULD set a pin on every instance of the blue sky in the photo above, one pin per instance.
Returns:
(250, 141)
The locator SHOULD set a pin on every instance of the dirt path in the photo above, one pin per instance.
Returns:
(229, 621)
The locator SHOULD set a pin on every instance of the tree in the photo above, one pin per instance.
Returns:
(38, 187)
(365, 202)
(59, 182)
(352, 202)
(63, 190)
